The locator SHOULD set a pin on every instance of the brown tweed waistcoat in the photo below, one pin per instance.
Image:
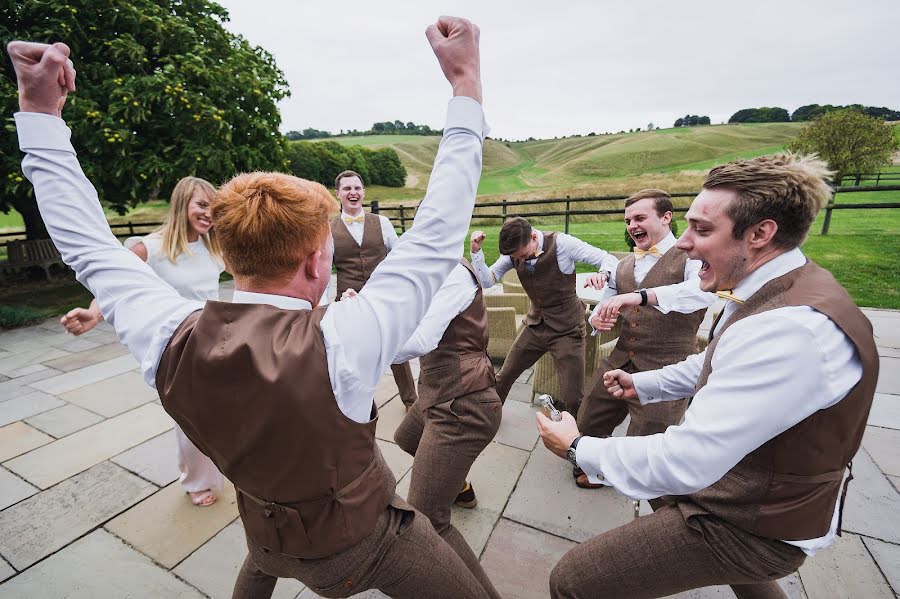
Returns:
(787, 488)
(552, 293)
(459, 365)
(355, 262)
(249, 385)
(649, 338)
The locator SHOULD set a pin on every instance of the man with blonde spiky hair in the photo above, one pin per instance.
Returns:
(275, 389)
(751, 482)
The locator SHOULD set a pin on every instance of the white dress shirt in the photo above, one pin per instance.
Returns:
(451, 300)
(361, 337)
(569, 250)
(388, 234)
(770, 371)
(684, 297)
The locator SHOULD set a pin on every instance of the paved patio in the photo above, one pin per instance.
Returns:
(90, 505)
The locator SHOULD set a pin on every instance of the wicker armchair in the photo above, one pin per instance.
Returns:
(545, 379)
(621, 255)
(509, 287)
(503, 327)
(511, 276)
(517, 301)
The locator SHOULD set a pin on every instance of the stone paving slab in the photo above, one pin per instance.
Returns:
(69, 381)
(520, 392)
(386, 390)
(889, 376)
(546, 497)
(397, 460)
(844, 570)
(29, 370)
(50, 520)
(872, 503)
(883, 445)
(518, 560)
(373, 594)
(114, 395)
(885, 411)
(13, 489)
(214, 567)
(12, 362)
(18, 438)
(791, 585)
(27, 405)
(887, 556)
(78, 344)
(79, 451)
(518, 427)
(156, 459)
(99, 565)
(390, 415)
(187, 526)
(6, 571)
(20, 386)
(78, 360)
(64, 420)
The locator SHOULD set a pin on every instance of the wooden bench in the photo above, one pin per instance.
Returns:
(24, 254)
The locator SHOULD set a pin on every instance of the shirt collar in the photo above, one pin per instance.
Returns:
(774, 268)
(279, 301)
(540, 240)
(344, 214)
(667, 243)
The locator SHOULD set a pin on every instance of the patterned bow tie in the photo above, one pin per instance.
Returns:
(726, 294)
(354, 219)
(653, 251)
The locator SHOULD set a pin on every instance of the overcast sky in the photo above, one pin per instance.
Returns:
(570, 66)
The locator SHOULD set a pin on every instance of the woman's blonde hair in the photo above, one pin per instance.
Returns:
(175, 228)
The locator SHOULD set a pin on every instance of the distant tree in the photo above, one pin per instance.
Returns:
(303, 160)
(378, 127)
(761, 115)
(386, 163)
(399, 125)
(704, 120)
(849, 140)
(811, 111)
(679, 123)
(165, 90)
(293, 135)
(650, 126)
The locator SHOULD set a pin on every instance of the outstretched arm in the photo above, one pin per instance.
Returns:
(142, 308)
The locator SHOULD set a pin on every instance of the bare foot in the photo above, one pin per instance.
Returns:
(202, 498)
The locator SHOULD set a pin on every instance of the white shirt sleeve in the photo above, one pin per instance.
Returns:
(142, 308)
(684, 297)
(570, 250)
(770, 371)
(451, 300)
(363, 336)
(388, 233)
(489, 276)
(671, 382)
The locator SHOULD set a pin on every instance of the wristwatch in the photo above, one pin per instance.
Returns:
(643, 293)
(570, 454)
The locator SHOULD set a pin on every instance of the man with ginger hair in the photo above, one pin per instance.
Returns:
(751, 482)
(275, 390)
(361, 241)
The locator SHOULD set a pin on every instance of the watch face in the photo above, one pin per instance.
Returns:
(571, 456)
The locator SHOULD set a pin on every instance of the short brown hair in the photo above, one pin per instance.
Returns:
(268, 223)
(344, 175)
(789, 189)
(514, 233)
(661, 198)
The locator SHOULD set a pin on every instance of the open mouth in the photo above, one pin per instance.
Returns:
(704, 268)
(639, 236)
(205, 222)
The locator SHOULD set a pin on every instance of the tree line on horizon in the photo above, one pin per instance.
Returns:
(322, 161)
(809, 112)
(383, 128)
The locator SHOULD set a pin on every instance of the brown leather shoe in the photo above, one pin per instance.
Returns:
(583, 482)
(576, 472)
(466, 497)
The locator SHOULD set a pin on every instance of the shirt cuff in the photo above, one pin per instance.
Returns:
(647, 386)
(39, 131)
(465, 113)
(477, 257)
(664, 298)
(587, 455)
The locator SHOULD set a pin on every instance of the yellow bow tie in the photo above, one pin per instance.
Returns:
(653, 251)
(538, 255)
(726, 294)
(355, 219)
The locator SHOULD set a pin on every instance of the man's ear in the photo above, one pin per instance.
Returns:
(311, 264)
(762, 233)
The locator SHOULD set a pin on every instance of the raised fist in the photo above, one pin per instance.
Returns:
(455, 43)
(45, 75)
(475, 241)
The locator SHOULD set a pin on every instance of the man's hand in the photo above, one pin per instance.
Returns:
(80, 320)
(620, 384)
(602, 325)
(596, 280)
(455, 43)
(348, 294)
(612, 307)
(475, 241)
(45, 75)
(557, 436)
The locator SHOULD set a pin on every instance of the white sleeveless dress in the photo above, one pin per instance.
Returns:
(194, 276)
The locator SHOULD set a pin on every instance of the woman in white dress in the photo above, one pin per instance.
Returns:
(184, 253)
